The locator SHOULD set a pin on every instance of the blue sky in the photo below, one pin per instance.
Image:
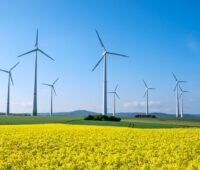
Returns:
(159, 36)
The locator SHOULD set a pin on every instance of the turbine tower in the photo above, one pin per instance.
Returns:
(181, 98)
(114, 96)
(52, 90)
(146, 94)
(36, 50)
(176, 88)
(104, 58)
(10, 79)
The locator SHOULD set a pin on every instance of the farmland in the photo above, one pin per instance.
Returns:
(70, 142)
(166, 122)
(62, 146)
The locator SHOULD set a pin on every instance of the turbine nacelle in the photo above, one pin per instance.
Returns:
(178, 82)
(147, 88)
(105, 52)
(52, 85)
(10, 72)
(182, 91)
(52, 90)
(37, 49)
(115, 92)
(178, 94)
(114, 95)
(9, 79)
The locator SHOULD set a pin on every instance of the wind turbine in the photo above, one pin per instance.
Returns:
(181, 98)
(104, 58)
(52, 90)
(114, 95)
(10, 79)
(146, 94)
(36, 50)
(177, 94)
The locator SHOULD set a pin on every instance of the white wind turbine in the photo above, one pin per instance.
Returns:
(181, 98)
(10, 79)
(104, 57)
(52, 91)
(146, 94)
(36, 50)
(114, 96)
(176, 88)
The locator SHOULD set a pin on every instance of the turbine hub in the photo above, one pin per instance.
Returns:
(104, 53)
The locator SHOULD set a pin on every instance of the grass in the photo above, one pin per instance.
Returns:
(187, 122)
(12, 120)
(138, 122)
(192, 118)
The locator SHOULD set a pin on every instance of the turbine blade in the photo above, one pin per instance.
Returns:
(180, 88)
(175, 86)
(45, 54)
(152, 88)
(101, 42)
(54, 90)
(183, 92)
(117, 95)
(27, 53)
(10, 75)
(145, 93)
(183, 81)
(4, 71)
(55, 81)
(111, 92)
(14, 66)
(97, 63)
(36, 42)
(174, 76)
(145, 84)
(47, 84)
(116, 87)
(122, 55)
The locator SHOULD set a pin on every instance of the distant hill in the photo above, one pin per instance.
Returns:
(76, 113)
(132, 114)
(72, 113)
(121, 114)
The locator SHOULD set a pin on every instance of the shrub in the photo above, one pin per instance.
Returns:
(102, 118)
(145, 116)
(89, 117)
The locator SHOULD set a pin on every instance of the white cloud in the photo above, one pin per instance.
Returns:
(139, 104)
(1, 92)
(193, 44)
(134, 104)
(23, 105)
(191, 100)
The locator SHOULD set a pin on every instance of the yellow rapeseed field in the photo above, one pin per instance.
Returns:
(57, 146)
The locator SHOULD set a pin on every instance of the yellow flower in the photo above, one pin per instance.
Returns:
(58, 146)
